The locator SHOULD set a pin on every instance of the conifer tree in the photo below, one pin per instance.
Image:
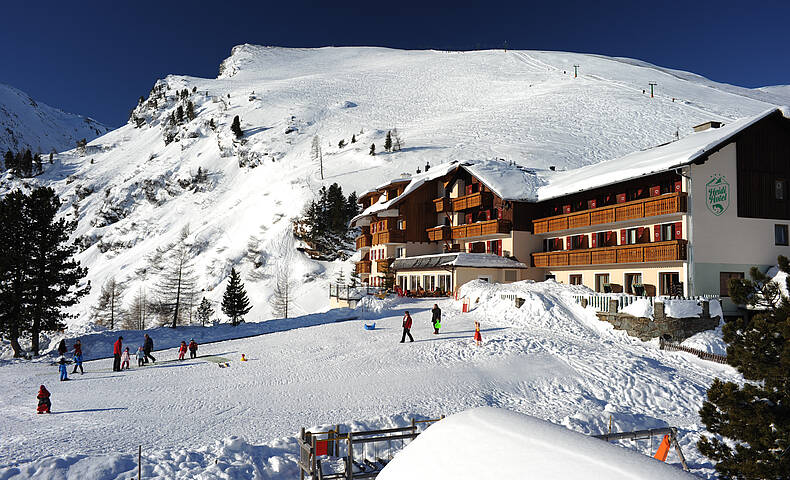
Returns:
(372, 151)
(39, 167)
(236, 127)
(9, 160)
(353, 139)
(205, 311)
(317, 155)
(190, 110)
(397, 140)
(179, 114)
(341, 143)
(388, 142)
(235, 303)
(753, 418)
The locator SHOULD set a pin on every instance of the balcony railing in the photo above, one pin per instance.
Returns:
(479, 229)
(646, 207)
(439, 234)
(388, 236)
(638, 253)
(363, 266)
(472, 200)
(364, 241)
(442, 204)
(383, 264)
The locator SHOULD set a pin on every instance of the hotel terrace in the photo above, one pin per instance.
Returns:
(680, 218)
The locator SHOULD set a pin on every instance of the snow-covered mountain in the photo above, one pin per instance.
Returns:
(27, 124)
(135, 188)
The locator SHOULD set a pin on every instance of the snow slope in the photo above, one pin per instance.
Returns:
(132, 193)
(550, 359)
(27, 124)
(493, 443)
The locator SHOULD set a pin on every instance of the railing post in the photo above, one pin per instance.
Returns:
(350, 458)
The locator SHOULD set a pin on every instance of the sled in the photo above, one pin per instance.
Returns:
(224, 365)
(370, 326)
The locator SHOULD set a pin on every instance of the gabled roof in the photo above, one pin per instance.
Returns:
(470, 260)
(665, 157)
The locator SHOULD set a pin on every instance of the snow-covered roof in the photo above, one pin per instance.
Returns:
(469, 260)
(509, 181)
(489, 442)
(646, 162)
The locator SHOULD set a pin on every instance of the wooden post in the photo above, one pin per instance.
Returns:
(350, 458)
(140, 462)
(674, 437)
(337, 443)
(301, 440)
(313, 456)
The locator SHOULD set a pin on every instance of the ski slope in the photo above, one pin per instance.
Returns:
(131, 193)
(550, 359)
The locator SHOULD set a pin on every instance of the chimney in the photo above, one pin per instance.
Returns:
(704, 126)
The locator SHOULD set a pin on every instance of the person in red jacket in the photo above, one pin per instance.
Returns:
(193, 348)
(182, 350)
(44, 404)
(406, 327)
(116, 353)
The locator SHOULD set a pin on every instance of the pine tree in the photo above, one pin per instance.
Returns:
(397, 140)
(109, 309)
(317, 155)
(39, 167)
(27, 164)
(179, 114)
(235, 303)
(340, 279)
(38, 276)
(372, 151)
(190, 110)
(205, 311)
(353, 139)
(9, 160)
(283, 294)
(753, 418)
(212, 124)
(236, 127)
(388, 142)
(341, 143)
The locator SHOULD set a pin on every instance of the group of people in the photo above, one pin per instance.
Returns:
(182, 350)
(121, 356)
(436, 323)
(62, 362)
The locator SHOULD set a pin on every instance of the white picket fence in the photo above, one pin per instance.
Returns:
(601, 301)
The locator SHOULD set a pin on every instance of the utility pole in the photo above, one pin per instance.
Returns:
(652, 84)
(575, 71)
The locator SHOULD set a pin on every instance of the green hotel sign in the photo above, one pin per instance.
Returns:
(717, 192)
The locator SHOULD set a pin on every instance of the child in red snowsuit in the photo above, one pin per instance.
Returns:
(478, 337)
(44, 403)
(125, 359)
(182, 350)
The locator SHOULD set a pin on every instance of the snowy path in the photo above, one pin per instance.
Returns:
(551, 361)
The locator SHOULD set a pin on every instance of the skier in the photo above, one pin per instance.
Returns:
(116, 354)
(62, 349)
(148, 347)
(192, 348)
(182, 350)
(140, 356)
(436, 318)
(64, 374)
(78, 357)
(406, 327)
(478, 337)
(44, 404)
(125, 358)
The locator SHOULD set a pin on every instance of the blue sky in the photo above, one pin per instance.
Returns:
(97, 58)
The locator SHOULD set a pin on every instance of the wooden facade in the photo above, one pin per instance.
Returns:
(668, 251)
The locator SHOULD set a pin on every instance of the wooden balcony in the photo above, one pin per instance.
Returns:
(672, 250)
(473, 200)
(439, 234)
(479, 229)
(364, 241)
(363, 266)
(442, 204)
(388, 236)
(643, 208)
(383, 264)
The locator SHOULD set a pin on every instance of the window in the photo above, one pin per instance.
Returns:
(779, 189)
(484, 278)
(632, 236)
(401, 224)
(724, 282)
(668, 281)
(400, 252)
(551, 277)
(667, 232)
(510, 276)
(633, 284)
(575, 280)
(602, 283)
(780, 234)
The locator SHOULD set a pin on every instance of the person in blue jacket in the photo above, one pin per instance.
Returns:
(64, 374)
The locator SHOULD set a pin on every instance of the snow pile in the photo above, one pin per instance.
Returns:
(493, 443)
(640, 308)
(27, 124)
(682, 308)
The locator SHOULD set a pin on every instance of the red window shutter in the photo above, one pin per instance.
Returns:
(499, 247)
(656, 233)
(569, 243)
(468, 218)
(655, 191)
(566, 209)
(594, 240)
(488, 214)
(469, 190)
(639, 232)
(622, 237)
(499, 213)
(678, 230)
(677, 186)
(621, 198)
(592, 203)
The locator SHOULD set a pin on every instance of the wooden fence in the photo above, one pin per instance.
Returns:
(601, 301)
(675, 347)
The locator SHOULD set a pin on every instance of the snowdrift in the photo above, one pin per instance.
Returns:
(497, 444)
